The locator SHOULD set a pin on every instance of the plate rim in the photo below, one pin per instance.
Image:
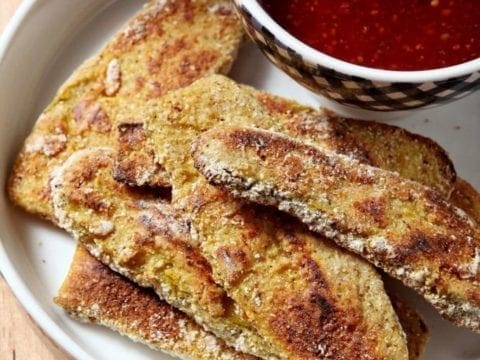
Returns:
(7, 270)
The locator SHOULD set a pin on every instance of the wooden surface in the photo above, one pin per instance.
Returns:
(20, 337)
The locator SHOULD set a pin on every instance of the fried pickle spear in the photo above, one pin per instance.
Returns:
(148, 241)
(389, 147)
(167, 46)
(309, 297)
(180, 116)
(319, 302)
(141, 157)
(403, 227)
(92, 292)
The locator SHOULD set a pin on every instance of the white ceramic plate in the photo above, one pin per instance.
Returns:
(44, 43)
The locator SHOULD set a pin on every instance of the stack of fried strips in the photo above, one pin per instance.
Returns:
(174, 250)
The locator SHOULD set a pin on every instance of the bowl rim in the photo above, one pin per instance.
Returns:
(317, 57)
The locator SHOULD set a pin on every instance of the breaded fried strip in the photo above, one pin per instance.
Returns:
(145, 239)
(185, 114)
(311, 299)
(385, 146)
(167, 46)
(141, 162)
(322, 311)
(402, 226)
(91, 292)
(413, 325)
(318, 303)
(466, 198)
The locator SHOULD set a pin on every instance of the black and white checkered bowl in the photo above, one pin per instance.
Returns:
(353, 85)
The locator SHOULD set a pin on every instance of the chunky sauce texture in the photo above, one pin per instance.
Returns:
(385, 34)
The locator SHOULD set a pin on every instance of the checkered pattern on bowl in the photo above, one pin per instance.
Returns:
(352, 90)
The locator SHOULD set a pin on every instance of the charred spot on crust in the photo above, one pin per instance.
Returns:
(146, 25)
(326, 308)
(435, 197)
(310, 327)
(341, 139)
(316, 276)
(85, 170)
(330, 130)
(262, 143)
(292, 238)
(135, 164)
(78, 178)
(373, 208)
(420, 245)
(92, 200)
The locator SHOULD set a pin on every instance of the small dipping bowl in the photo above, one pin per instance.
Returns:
(355, 86)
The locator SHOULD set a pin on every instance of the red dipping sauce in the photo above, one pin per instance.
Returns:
(385, 34)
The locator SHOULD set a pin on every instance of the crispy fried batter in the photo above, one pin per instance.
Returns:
(92, 292)
(316, 315)
(388, 147)
(131, 150)
(145, 239)
(168, 45)
(413, 325)
(402, 226)
(385, 146)
(308, 297)
(385, 336)
(466, 198)
(312, 315)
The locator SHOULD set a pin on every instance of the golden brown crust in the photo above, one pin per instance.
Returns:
(400, 225)
(147, 240)
(382, 339)
(384, 333)
(168, 45)
(466, 198)
(389, 147)
(292, 318)
(413, 325)
(93, 292)
(295, 286)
